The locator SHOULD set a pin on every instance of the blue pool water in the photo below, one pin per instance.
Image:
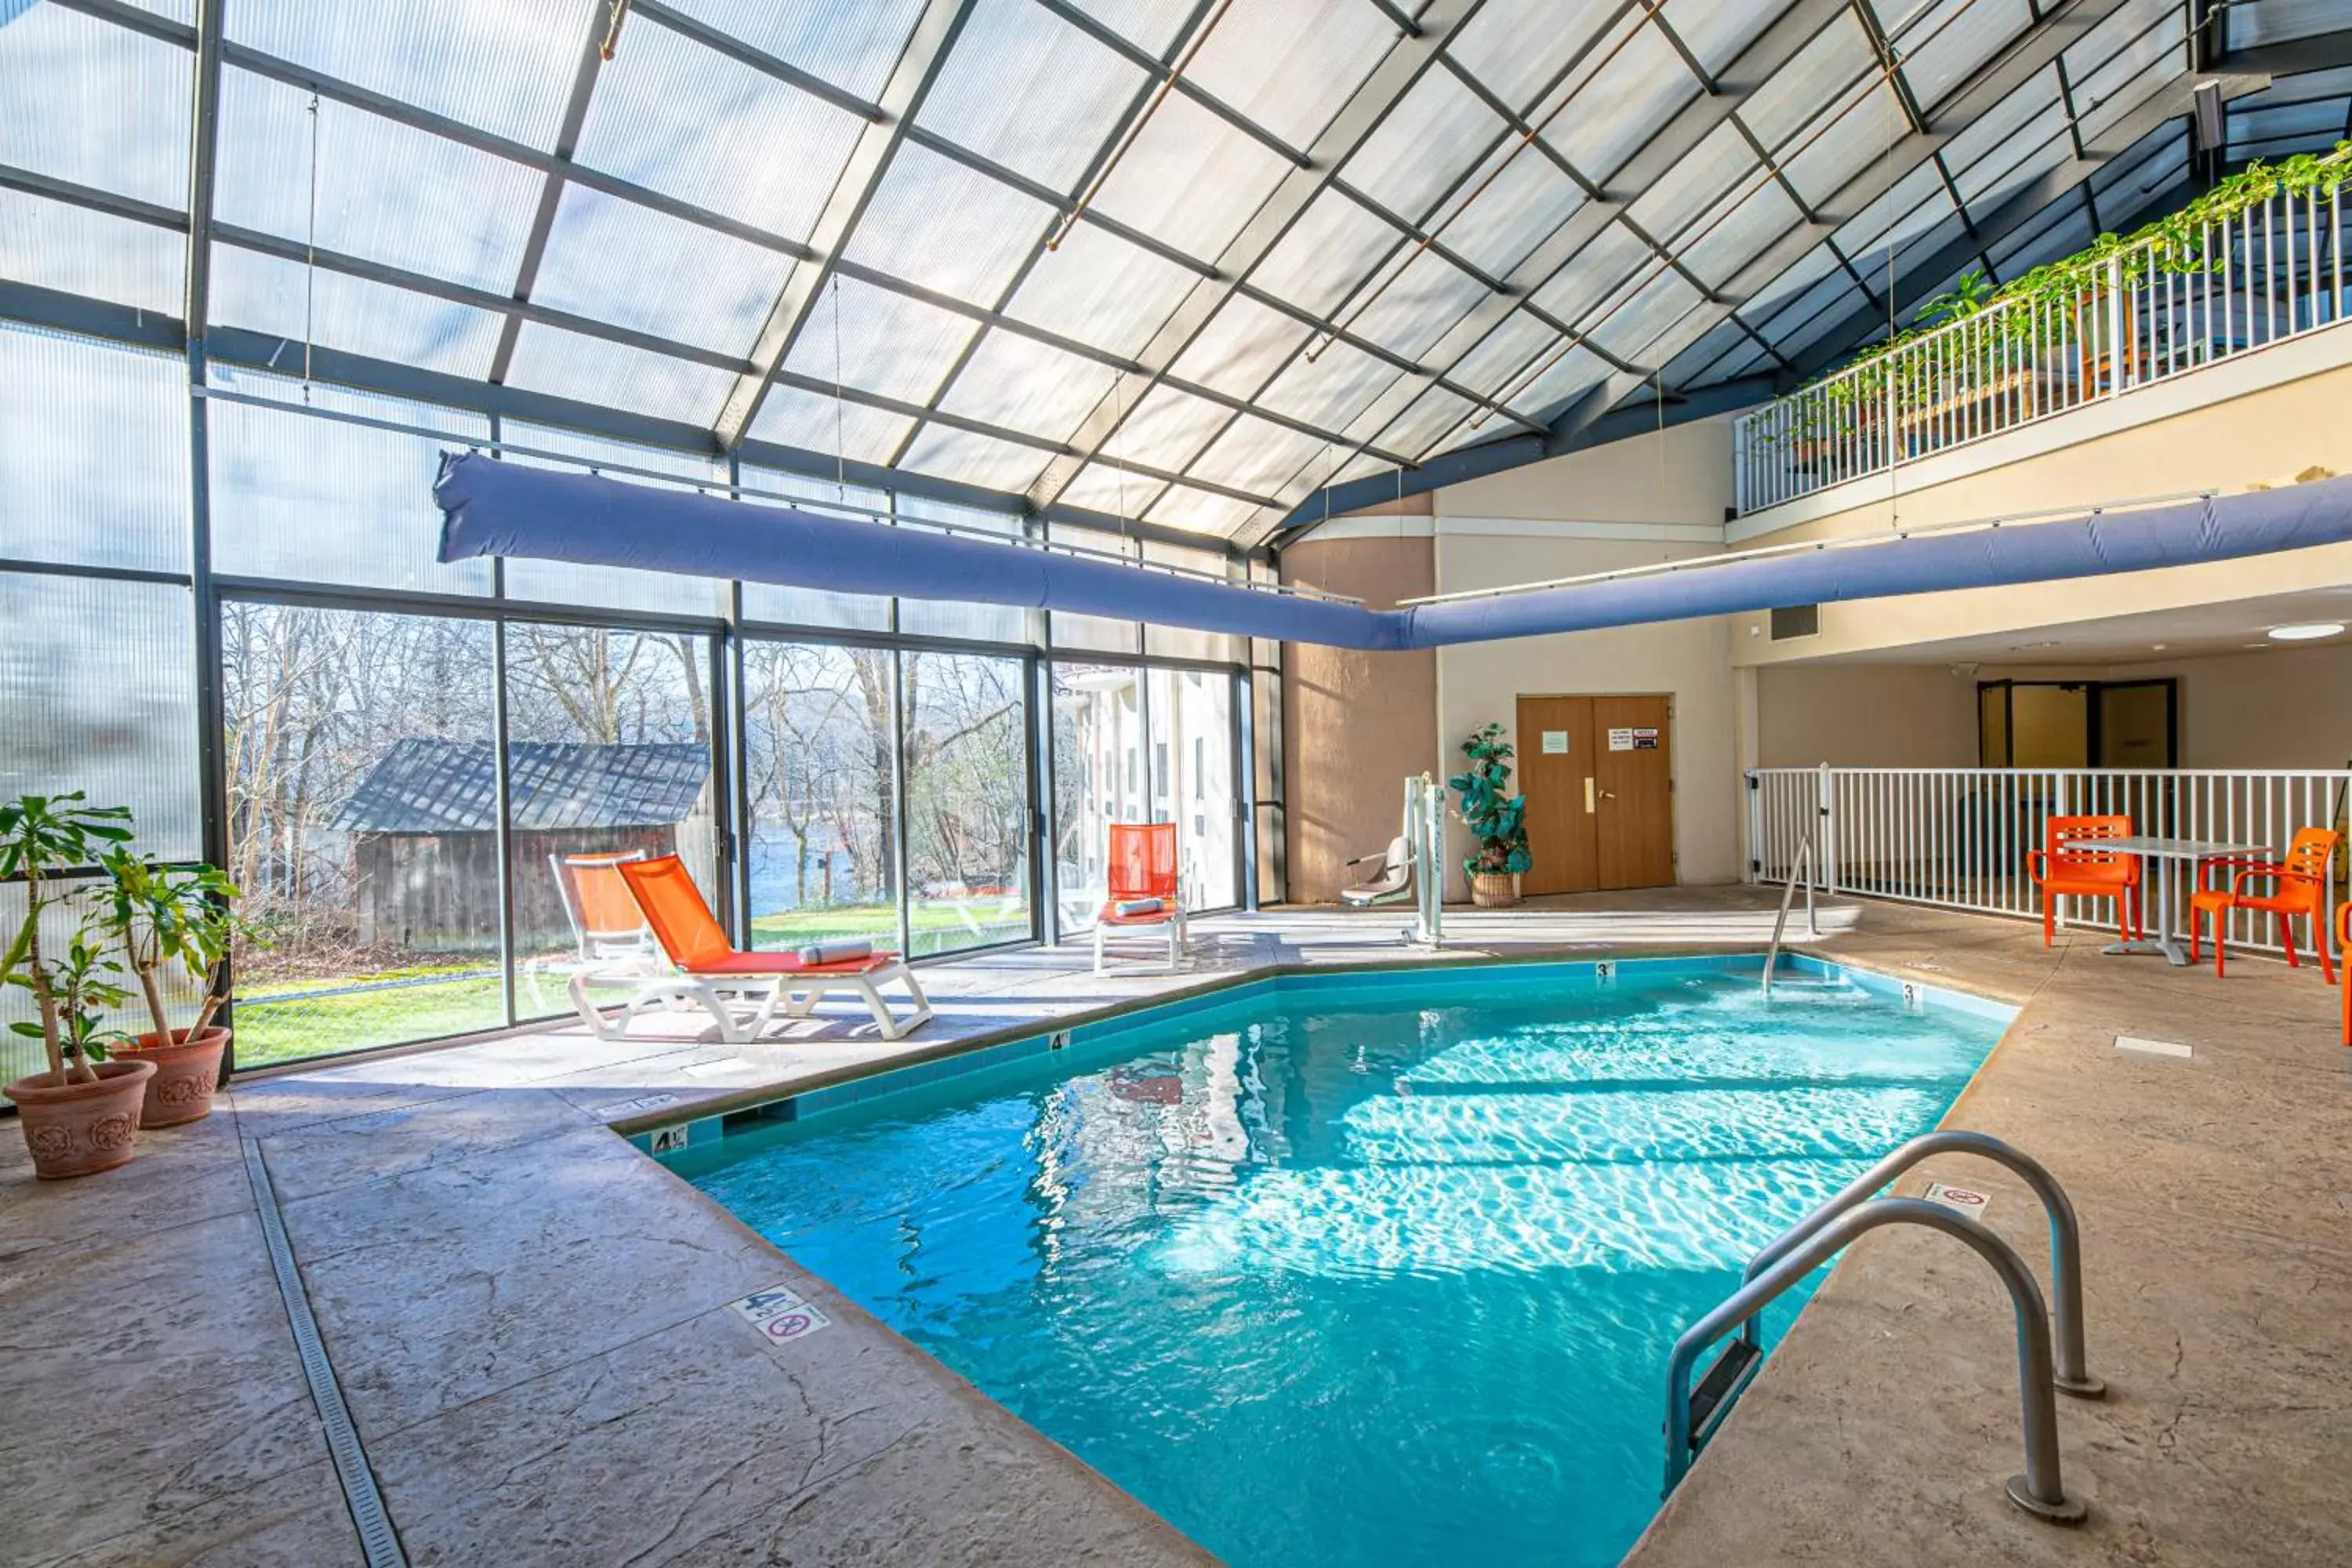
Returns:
(1360, 1269)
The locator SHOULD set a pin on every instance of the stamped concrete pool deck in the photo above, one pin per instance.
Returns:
(532, 1323)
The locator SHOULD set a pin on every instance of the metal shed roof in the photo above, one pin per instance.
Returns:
(424, 786)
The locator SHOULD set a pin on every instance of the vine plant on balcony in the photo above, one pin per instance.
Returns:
(2173, 245)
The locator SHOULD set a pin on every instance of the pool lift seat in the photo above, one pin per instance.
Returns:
(1390, 879)
(1694, 1414)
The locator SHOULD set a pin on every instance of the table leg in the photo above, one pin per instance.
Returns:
(2165, 942)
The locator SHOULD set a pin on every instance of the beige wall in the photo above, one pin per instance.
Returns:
(1864, 716)
(1682, 480)
(1355, 724)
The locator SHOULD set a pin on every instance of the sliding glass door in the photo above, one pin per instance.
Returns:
(1193, 778)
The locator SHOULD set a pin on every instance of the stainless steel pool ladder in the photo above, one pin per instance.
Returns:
(1691, 1419)
(1804, 863)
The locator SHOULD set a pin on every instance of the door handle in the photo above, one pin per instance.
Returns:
(1588, 794)
(1609, 794)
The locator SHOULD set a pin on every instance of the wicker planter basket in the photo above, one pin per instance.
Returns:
(1494, 890)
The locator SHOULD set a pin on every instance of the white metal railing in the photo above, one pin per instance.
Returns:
(2274, 271)
(1957, 837)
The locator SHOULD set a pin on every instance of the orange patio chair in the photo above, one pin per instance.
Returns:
(1143, 869)
(605, 919)
(2298, 887)
(2343, 937)
(2061, 872)
(743, 991)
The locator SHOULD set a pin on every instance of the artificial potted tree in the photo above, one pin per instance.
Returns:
(1499, 819)
(81, 1115)
(162, 916)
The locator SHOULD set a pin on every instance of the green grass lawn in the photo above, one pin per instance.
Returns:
(288, 1020)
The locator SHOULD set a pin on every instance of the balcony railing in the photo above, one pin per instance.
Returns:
(2156, 309)
(1957, 837)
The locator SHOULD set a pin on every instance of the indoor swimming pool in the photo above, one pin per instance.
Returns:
(1358, 1267)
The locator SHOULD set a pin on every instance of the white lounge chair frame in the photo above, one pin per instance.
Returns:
(746, 1005)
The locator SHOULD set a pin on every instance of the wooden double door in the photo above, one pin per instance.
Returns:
(1598, 772)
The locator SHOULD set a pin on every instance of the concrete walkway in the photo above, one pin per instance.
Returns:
(532, 1323)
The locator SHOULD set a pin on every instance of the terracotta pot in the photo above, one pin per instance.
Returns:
(186, 1073)
(1494, 890)
(80, 1129)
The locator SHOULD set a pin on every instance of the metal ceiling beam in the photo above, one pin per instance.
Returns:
(2321, 51)
(204, 164)
(550, 190)
(1366, 108)
(935, 32)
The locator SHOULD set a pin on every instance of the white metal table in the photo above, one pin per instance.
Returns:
(2196, 851)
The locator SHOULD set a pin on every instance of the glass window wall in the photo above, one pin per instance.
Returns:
(967, 801)
(820, 822)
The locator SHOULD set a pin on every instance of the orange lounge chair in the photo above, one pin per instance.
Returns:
(743, 991)
(606, 921)
(2299, 887)
(2343, 938)
(1143, 867)
(2064, 872)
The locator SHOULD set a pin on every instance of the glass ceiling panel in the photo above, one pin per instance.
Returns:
(2151, 165)
(1289, 65)
(1851, 143)
(1630, 327)
(688, 121)
(1620, 106)
(701, 472)
(1022, 384)
(1994, 134)
(2292, 127)
(54, 244)
(1516, 210)
(1153, 24)
(1517, 47)
(1256, 455)
(1810, 269)
(1595, 272)
(1436, 130)
(1100, 289)
(1424, 427)
(1942, 43)
(1505, 354)
(855, 47)
(2116, 36)
(266, 294)
(1191, 180)
(1720, 355)
(1243, 345)
(1330, 389)
(2275, 21)
(1113, 491)
(94, 103)
(1028, 91)
(1728, 241)
(386, 192)
(1813, 318)
(831, 425)
(1897, 201)
(1202, 512)
(2040, 146)
(1554, 387)
(869, 338)
(1822, 73)
(1716, 165)
(960, 455)
(1335, 245)
(947, 228)
(2062, 232)
(505, 68)
(1165, 429)
(618, 262)
(614, 375)
(1428, 297)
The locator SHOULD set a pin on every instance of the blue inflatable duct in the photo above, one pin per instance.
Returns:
(494, 507)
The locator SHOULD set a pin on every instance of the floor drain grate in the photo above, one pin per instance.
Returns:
(377, 1538)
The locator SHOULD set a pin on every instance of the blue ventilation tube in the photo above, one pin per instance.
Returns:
(492, 508)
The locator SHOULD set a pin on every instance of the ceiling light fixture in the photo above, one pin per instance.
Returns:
(2305, 631)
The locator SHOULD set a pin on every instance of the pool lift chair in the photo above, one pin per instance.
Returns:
(1390, 877)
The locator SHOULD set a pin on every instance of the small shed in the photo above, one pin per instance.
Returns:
(424, 843)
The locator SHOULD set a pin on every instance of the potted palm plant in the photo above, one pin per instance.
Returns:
(82, 1114)
(1499, 819)
(162, 916)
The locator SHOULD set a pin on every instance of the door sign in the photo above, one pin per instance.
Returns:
(1555, 742)
(1634, 740)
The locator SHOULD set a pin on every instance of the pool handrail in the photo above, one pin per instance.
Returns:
(1802, 861)
(2040, 1491)
(2073, 1373)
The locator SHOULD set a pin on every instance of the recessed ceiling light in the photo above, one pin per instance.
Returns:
(2305, 631)
(2029, 646)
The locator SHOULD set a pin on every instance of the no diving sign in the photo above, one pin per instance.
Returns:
(782, 1316)
(1633, 740)
(1964, 1200)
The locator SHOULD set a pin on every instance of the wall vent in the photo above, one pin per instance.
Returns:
(1796, 621)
